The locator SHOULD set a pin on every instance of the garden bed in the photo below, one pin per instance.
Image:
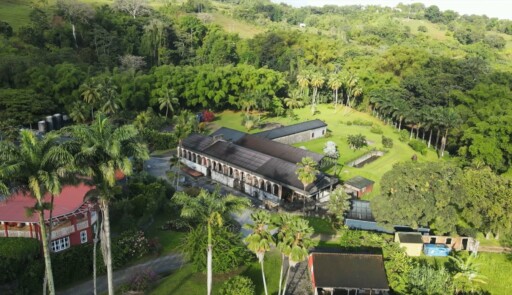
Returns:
(365, 159)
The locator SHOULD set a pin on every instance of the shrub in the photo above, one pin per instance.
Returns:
(387, 142)
(21, 264)
(467, 231)
(422, 29)
(361, 122)
(376, 129)
(349, 123)
(403, 136)
(328, 134)
(238, 285)
(75, 264)
(418, 146)
(142, 280)
(356, 141)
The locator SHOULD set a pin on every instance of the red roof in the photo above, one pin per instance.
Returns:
(69, 200)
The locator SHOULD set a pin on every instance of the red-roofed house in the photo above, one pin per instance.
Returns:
(73, 219)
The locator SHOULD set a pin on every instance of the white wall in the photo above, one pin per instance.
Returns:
(302, 136)
(224, 179)
(194, 166)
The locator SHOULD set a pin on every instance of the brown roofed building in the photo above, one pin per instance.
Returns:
(347, 273)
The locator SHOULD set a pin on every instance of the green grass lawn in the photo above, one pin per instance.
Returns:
(321, 226)
(336, 121)
(187, 281)
(15, 12)
(495, 267)
(168, 239)
(231, 25)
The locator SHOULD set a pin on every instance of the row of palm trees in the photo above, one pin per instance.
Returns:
(293, 237)
(40, 167)
(427, 120)
(347, 82)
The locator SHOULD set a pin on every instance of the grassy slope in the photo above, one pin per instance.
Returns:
(187, 281)
(399, 153)
(15, 12)
(231, 25)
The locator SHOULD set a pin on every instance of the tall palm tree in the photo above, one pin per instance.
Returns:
(79, 112)
(303, 79)
(335, 84)
(298, 242)
(185, 124)
(210, 209)
(306, 173)
(283, 231)
(100, 150)
(467, 277)
(350, 82)
(168, 100)
(450, 119)
(317, 81)
(90, 93)
(36, 167)
(260, 240)
(356, 91)
(111, 101)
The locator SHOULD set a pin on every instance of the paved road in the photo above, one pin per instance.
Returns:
(162, 266)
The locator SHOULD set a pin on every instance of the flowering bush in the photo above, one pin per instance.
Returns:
(208, 116)
(129, 245)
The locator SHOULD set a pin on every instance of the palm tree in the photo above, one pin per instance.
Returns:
(335, 84)
(90, 93)
(350, 82)
(306, 173)
(467, 277)
(450, 119)
(101, 149)
(79, 112)
(295, 100)
(212, 209)
(400, 109)
(168, 100)
(283, 225)
(36, 167)
(112, 103)
(303, 79)
(356, 92)
(260, 240)
(297, 242)
(185, 124)
(317, 81)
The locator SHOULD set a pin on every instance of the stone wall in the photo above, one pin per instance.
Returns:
(194, 166)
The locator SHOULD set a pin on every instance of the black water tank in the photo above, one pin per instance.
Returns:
(49, 123)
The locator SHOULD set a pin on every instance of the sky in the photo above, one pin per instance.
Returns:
(492, 8)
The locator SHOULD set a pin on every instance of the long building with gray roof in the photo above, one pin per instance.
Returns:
(257, 166)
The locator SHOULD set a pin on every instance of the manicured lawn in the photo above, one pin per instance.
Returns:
(337, 124)
(496, 267)
(168, 239)
(321, 226)
(15, 12)
(187, 281)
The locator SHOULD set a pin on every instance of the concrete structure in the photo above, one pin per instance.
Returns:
(347, 273)
(256, 166)
(296, 133)
(455, 243)
(411, 242)
(358, 186)
(73, 219)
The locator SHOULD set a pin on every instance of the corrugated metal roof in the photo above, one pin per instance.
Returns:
(277, 149)
(349, 271)
(236, 155)
(359, 182)
(197, 142)
(13, 209)
(360, 210)
(410, 238)
(292, 129)
(228, 134)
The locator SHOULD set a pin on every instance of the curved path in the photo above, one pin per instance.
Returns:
(162, 266)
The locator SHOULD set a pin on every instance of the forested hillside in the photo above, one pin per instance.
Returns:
(446, 78)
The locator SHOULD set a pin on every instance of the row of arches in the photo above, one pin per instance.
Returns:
(242, 176)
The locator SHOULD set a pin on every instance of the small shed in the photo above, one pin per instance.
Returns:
(358, 186)
(347, 273)
(411, 242)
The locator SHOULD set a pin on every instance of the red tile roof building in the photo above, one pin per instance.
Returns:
(73, 218)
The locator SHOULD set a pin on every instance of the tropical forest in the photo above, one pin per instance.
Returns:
(108, 94)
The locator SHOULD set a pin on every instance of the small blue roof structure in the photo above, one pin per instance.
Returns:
(292, 129)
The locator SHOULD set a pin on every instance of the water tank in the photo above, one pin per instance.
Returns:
(41, 126)
(65, 120)
(57, 121)
(49, 122)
